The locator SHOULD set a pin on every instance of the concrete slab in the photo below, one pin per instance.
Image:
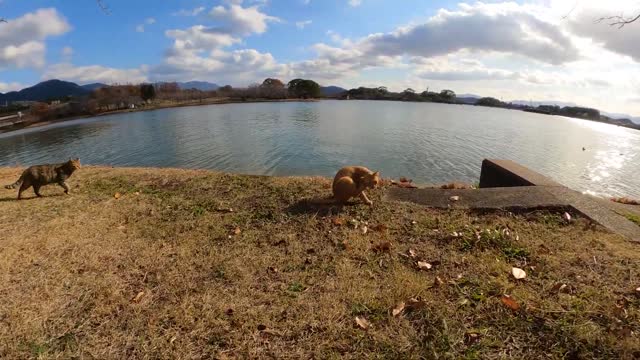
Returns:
(507, 173)
(603, 212)
(490, 198)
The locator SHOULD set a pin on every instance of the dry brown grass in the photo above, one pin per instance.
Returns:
(71, 267)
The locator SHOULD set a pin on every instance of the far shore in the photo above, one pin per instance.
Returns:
(227, 100)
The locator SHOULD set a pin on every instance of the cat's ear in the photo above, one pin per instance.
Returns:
(377, 173)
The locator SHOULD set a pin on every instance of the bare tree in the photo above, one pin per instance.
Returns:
(104, 7)
(619, 20)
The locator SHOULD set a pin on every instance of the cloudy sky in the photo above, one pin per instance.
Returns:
(526, 50)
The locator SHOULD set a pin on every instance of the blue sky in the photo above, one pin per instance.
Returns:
(538, 49)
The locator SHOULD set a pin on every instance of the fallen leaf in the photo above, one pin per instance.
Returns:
(518, 273)
(415, 304)
(454, 198)
(438, 281)
(380, 227)
(363, 323)
(412, 253)
(559, 287)
(138, 297)
(472, 338)
(136, 193)
(236, 231)
(566, 217)
(544, 250)
(117, 195)
(337, 221)
(459, 276)
(406, 185)
(384, 246)
(510, 303)
(364, 229)
(398, 309)
(423, 265)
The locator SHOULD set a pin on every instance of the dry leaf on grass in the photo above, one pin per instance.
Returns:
(382, 247)
(438, 281)
(364, 229)
(363, 323)
(454, 198)
(518, 273)
(415, 304)
(423, 265)
(510, 303)
(136, 193)
(236, 231)
(117, 195)
(412, 253)
(398, 309)
(337, 221)
(559, 287)
(138, 297)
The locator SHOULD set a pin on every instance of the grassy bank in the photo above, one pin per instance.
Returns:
(167, 270)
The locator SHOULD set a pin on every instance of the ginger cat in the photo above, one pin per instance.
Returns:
(352, 181)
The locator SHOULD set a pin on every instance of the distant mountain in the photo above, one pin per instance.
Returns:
(93, 86)
(621, 116)
(469, 99)
(198, 85)
(538, 103)
(50, 89)
(331, 90)
(474, 96)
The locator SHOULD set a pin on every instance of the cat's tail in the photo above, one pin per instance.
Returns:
(15, 184)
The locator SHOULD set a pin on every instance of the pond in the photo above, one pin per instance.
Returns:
(430, 143)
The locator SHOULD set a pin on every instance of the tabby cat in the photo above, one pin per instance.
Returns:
(352, 181)
(40, 175)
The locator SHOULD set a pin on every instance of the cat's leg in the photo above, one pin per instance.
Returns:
(36, 189)
(25, 185)
(64, 186)
(364, 198)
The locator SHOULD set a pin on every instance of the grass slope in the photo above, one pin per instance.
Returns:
(165, 274)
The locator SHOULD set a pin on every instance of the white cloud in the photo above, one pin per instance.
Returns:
(193, 12)
(584, 22)
(199, 37)
(242, 21)
(480, 27)
(95, 73)
(22, 39)
(302, 24)
(148, 21)
(12, 86)
(355, 3)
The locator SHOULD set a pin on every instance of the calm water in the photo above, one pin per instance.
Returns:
(431, 143)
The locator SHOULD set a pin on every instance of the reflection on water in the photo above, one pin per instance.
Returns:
(431, 143)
